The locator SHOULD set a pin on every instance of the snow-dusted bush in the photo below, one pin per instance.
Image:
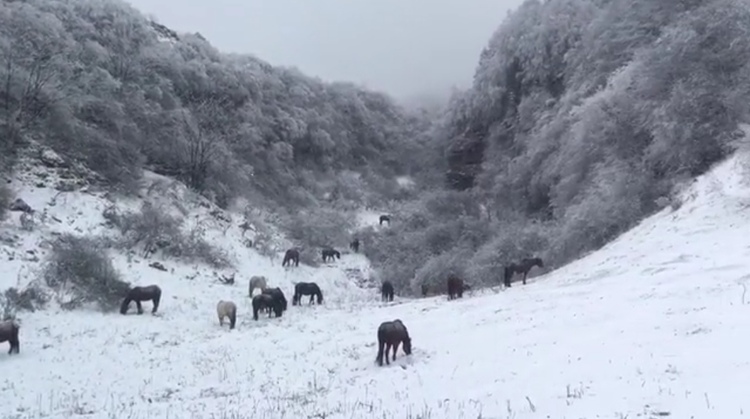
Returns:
(315, 229)
(153, 229)
(79, 268)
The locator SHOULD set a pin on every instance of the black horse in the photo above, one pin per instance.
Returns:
(9, 333)
(267, 301)
(291, 255)
(522, 267)
(385, 218)
(330, 253)
(138, 294)
(277, 294)
(386, 291)
(354, 245)
(306, 288)
(391, 335)
(456, 287)
(425, 290)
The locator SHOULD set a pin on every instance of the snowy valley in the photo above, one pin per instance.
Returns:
(652, 325)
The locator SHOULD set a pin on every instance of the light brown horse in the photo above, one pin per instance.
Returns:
(227, 309)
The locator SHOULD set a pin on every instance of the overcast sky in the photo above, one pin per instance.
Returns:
(405, 47)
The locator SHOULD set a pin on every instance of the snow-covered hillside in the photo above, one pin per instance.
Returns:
(654, 324)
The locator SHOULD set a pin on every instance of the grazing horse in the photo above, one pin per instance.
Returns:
(522, 267)
(456, 287)
(385, 218)
(9, 333)
(277, 294)
(330, 253)
(386, 291)
(390, 335)
(354, 245)
(138, 294)
(306, 288)
(291, 255)
(266, 301)
(257, 282)
(227, 309)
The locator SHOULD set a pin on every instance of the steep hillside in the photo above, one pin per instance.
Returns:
(101, 84)
(652, 325)
(584, 117)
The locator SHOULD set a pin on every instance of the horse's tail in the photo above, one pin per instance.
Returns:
(381, 347)
(156, 299)
(232, 315)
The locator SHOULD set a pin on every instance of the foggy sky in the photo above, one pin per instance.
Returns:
(404, 47)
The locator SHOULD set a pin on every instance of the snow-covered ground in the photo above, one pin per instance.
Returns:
(654, 324)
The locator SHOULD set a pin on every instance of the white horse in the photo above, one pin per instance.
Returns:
(227, 309)
(257, 282)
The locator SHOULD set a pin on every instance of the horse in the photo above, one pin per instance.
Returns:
(138, 294)
(330, 253)
(9, 333)
(257, 282)
(425, 290)
(456, 287)
(263, 301)
(385, 218)
(306, 288)
(278, 294)
(386, 291)
(291, 255)
(227, 309)
(522, 267)
(391, 335)
(354, 245)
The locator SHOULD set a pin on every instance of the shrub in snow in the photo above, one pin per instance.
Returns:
(79, 267)
(154, 229)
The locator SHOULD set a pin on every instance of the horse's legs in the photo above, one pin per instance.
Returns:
(312, 298)
(156, 304)
(381, 348)
(140, 308)
(388, 346)
(524, 276)
(395, 349)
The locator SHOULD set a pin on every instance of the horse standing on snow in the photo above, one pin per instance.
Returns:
(266, 301)
(391, 335)
(9, 333)
(291, 255)
(257, 282)
(354, 245)
(456, 287)
(330, 253)
(138, 294)
(306, 288)
(277, 294)
(386, 291)
(523, 267)
(385, 218)
(227, 309)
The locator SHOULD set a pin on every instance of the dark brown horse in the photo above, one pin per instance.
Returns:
(330, 253)
(386, 291)
(456, 287)
(277, 294)
(306, 288)
(391, 335)
(9, 333)
(523, 267)
(385, 218)
(425, 290)
(266, 301)
(138, 294)
(291, 255)
(354, 245)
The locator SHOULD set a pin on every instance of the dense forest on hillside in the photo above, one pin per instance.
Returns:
(101, 84)
(582, 115)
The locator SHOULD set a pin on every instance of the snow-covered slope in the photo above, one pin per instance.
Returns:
(654, 324)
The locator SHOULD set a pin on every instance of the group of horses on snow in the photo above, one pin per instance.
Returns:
(391, 334)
